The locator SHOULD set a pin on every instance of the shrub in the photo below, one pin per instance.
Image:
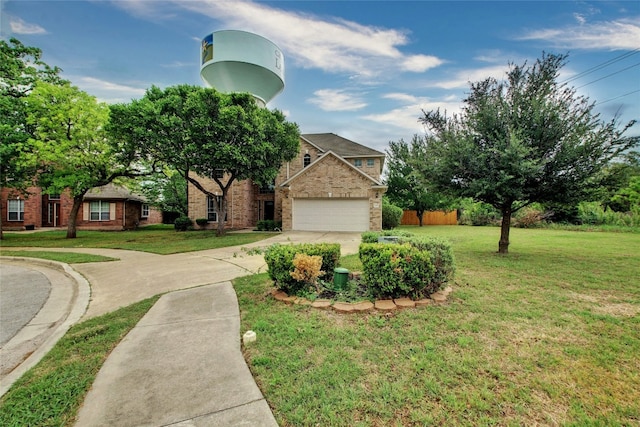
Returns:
(202, 222)
(440, 251)
(478, 213)
(396, 270)
(391, 215)
(268, 225)
(307, 269)
(372, 236)
(530, 217)
(441, 255)
(183, 223)
(279, 259)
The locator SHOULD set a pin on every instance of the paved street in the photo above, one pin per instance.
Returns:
(23, 292)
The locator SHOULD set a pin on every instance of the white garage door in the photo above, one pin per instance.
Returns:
(331, 214)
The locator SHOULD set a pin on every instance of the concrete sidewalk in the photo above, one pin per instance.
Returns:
(181, 365)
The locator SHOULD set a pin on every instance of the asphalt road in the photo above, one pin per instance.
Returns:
(23, 292)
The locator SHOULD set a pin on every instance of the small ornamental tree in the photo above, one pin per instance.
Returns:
(202, 133)
(406, 189)
(522, 140)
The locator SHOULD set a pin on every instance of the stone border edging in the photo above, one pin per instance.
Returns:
(388, 305)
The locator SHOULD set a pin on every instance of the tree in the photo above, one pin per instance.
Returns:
(523, 140)
(71, 148)
(406, 189)
(201, 133)
(20, 69)
(166, 190)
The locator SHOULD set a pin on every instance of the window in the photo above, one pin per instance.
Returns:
(15, 210)
(145, 210)
(99, 211)
(269, 188)
(218, 173)
(211, 209)
(54, 196)
(370, 163)
(306, 161)
(358, 163)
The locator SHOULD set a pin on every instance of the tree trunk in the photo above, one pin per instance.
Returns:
(73, 215)
(222, 212)
(420, 214)
(503, 245)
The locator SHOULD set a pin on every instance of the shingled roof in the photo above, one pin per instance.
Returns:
(113, 192)
(341, 146)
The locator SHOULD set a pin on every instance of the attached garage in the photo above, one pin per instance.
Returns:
(331, 214)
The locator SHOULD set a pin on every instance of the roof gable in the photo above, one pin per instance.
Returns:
(341, 160)
(342, 147)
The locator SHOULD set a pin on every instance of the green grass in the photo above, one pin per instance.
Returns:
(66, 257)
(159, 239)
(547, 335)
(51, 393)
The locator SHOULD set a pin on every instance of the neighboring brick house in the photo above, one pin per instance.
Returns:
(109, 207)
(333, 185)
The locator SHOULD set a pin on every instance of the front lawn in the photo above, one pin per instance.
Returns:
(158, 239)
(548, 335)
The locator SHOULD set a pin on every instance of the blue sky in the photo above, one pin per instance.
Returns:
(361, 69)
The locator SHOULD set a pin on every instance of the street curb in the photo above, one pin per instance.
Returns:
(80, 302)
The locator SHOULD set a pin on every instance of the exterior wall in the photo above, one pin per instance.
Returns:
(373, 171)
(155, 217)
(240, 202)
(32, 208)
(331, 178)
(36, 207)
(245, 204)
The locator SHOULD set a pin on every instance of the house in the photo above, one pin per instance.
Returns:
(109, 207)
(333, 185)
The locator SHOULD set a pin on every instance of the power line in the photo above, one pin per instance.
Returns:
(602, 65)
(617, 97)
(609, 75)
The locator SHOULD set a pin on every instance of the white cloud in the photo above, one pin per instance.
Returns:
(337, 100)
(613, 35)
(462, 78)
(420, 63)
(179, 64)
(334, 45)
(402, 97)
(406, 117)
(107, 91)
(19, 26)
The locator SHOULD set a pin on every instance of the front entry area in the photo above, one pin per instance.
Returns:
(331, 214)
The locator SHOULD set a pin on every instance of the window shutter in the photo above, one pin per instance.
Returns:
(85, 211)
(112, 211)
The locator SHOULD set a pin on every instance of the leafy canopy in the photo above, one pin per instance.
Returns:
(522, 140)
(202, 133)
(406, 188)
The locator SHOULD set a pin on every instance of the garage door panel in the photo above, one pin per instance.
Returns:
(331, 214)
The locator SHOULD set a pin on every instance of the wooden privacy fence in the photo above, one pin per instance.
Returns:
(430, 218)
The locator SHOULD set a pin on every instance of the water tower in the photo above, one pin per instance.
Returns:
(238, 61)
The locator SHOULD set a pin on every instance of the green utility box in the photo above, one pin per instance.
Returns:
(340, 278)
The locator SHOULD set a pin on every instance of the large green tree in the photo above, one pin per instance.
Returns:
(20, 68)
(200, 132)
(522, 140)
(406, 188)
(70, 145)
